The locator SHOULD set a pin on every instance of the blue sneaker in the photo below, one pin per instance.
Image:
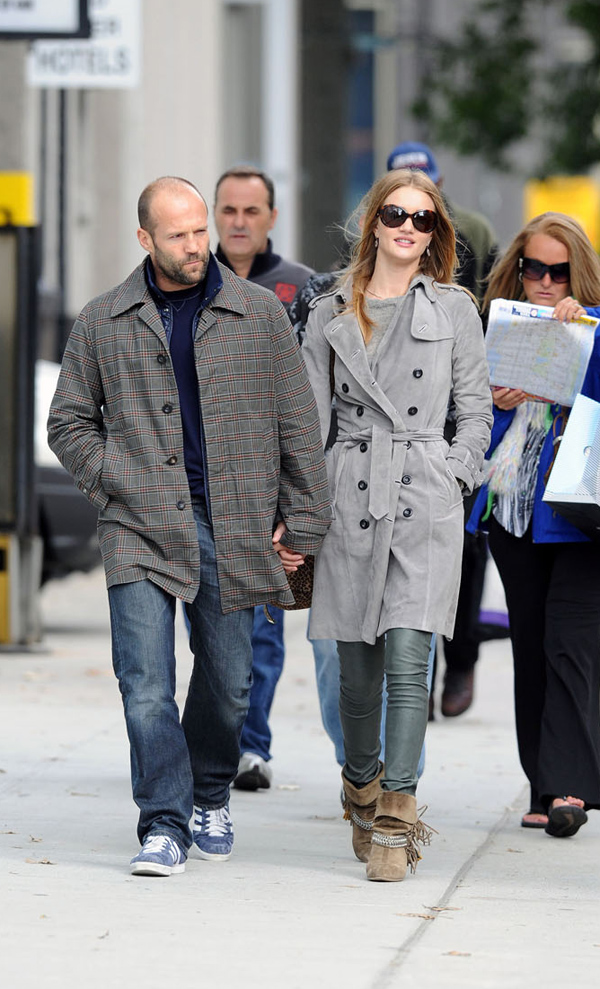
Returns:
(160, 856)
(213, 833)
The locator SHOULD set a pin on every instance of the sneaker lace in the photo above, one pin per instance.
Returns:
(216, 823)
(154, 844)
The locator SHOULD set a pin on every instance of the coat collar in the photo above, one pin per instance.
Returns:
(135, 292)
(428, 284)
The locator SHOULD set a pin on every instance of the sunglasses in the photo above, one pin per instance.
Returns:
(424, 220)
(536, 270)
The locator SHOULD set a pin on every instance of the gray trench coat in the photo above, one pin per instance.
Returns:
(392, 557)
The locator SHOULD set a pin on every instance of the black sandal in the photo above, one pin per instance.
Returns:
(534, 824)
(565, 820)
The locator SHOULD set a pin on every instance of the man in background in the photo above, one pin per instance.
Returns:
(245, 213)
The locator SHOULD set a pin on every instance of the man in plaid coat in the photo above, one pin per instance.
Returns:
(184, 413)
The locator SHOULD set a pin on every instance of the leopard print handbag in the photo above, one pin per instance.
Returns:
(301, 585)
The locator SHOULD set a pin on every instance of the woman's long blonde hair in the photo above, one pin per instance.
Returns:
(439, 264)
(504, 282)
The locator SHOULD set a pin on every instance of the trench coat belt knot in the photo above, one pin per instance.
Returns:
(388, 453)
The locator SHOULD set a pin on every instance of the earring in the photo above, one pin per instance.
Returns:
(427, 251)
(376, 240)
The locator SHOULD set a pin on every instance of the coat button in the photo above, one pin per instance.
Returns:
(362, 485)
(406, 479)
(181, 505)
(407, 513)
(413, 410)
(162, 358)
(360, 410)
(363, 447)
(345, 388)
(167, 408)
(417, 373)
(364, 523)
(408, 444)
(172, 461)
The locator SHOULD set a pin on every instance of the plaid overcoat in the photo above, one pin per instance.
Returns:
(115, 424)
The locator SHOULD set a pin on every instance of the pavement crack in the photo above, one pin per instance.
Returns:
(387, 975)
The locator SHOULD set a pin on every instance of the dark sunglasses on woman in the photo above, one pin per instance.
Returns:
(424, 220)
(536, 270)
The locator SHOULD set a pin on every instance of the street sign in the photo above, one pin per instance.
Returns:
(25, 19)
(110, 59)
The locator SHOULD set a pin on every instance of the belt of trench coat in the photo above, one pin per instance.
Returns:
(388, 453)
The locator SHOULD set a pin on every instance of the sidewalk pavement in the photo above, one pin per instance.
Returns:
(491, 905)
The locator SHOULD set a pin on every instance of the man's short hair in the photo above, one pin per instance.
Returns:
(144, 206)
(249, 172)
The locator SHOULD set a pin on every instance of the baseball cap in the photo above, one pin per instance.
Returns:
(412, 154)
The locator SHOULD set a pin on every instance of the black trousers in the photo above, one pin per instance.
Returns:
(553, 598)
(462, 651)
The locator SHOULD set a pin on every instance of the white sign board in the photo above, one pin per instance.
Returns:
(110, 59)
(22, 18)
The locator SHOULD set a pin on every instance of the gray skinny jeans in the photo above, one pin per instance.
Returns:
(402, 655)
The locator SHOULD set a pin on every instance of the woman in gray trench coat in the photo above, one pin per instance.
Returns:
(394, 341)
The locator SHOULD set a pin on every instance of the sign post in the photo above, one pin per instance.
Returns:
(109, 59)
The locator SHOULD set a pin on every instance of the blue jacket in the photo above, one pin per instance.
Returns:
(547, 525)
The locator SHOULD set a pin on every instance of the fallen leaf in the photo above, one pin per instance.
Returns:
(8, 832)
(31, 838)
(40, 862)
(517, 851)
(423, 916)
(440, 909)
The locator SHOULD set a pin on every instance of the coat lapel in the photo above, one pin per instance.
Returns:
(345, 338)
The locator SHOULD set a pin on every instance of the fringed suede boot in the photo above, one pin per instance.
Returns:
(359, 808)
(396, 832)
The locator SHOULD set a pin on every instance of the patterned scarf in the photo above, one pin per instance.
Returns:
(512, 469)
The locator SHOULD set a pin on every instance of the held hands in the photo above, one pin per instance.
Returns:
(290, 560)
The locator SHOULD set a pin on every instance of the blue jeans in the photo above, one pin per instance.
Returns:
(327, 671)
(178, 763)
(267, 663)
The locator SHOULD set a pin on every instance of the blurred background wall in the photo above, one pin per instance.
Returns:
(316, 92)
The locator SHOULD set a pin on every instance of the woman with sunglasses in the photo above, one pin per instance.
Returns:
(549, 569)
(392, 341)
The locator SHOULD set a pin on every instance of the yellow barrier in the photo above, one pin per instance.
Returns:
(16, 199)
(576, 195)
